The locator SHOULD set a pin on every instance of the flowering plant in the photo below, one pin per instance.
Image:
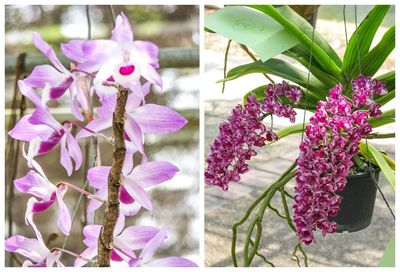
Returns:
(345, 103)
(122, 71)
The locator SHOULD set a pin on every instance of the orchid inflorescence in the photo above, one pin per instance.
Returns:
(117, 62)
(326, 154)
(245, 131)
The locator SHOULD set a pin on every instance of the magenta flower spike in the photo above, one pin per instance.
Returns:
(120, 59)
(44, 132)
(326, 155)
(133, 195)
(58, 77)
(38, 185)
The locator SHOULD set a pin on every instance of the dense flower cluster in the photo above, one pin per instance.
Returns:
(114, 63)
(331, 140)
(245, 131)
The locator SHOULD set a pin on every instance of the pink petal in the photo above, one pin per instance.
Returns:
(125, 197)
(96, 125)
(91, 234)
(150, 50)
(46, 49)
(172, 262)
(30, 248)
(95, 204)
(58, 90)
(151, 247)
(152, 173)
(42, 116)
(41, 206)
(130, 209)
(64, 219)
(122, 33)
(98, 176)
(149, 73)
(25, 131)
(132, 129)
(65, 159)
(138, 194)
(88, 254)
(43, 74)
(131, 149)
(49, 143)
(74, 150)
(34, 184)
(28, 91)
(138, 236)
(158, 119)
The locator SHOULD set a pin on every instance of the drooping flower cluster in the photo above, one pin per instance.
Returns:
(326, 155)
(244, 132)
(114, 63)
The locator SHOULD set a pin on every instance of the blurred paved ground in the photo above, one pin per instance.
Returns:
(222, 209)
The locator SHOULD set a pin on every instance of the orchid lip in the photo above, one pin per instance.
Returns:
(127, 70)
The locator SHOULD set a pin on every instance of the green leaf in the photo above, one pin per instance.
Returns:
(374, 59)
(282, 69)
(293, 129)
(361, 39)
(302, 57)
(389, 78)
(251, 28)
(300, 28)
(387, 117)
(376, 157)
(388, 258)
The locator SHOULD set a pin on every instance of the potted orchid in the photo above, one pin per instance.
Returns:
(120, 72)
(336, 173)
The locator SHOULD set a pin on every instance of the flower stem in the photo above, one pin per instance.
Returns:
(82, 191)
(95, 134)
(72, 254)
(83, 71)
(114, 181)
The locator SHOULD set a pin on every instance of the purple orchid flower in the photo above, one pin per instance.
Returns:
(38, 185)
(58, 77)
(120, 59)
(125, 241)
(44, 132)
(141, 118)
(132, 194)
(150, 248)
(33, 249)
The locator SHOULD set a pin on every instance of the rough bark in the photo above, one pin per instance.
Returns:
(114, 181)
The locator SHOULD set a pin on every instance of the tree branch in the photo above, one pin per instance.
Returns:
(114, 181)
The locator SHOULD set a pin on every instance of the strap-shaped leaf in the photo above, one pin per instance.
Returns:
(300, 28)
(389, 256)
(279, 68)
(375, 156)
(374, 59)
(362, 38)
(390, 79)
(302, 57)
(387, 117)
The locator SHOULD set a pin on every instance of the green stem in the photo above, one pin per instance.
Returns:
(226, 63)
(381, 135)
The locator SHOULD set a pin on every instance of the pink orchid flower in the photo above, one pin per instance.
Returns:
(33, 249)
(44, 132)
(38, 185)
(132, 194)
(120, 59)
(58, 77)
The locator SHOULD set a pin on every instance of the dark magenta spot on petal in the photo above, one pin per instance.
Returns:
(111, 79)
(127, 70)
(125, 197)
(43, 205)
(115, 257)
(51, 142)
(58, 91)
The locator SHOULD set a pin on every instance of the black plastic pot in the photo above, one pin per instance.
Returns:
(358, 203)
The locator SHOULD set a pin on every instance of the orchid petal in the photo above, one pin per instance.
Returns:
(30, 248)
(137, 236)
(42, 116)
(74, 150)
(157, 119)
(98, 176)
(41, 75)
(149, 73)
(65, 159)
(122, 32)
(151, 51)
(58, 90)
(64, 218)
(130, 209)
(29, 92)
(46, 49)
(152, 173)
(91, 234)
(87, 254)
(95, 204)
(151, 247)
(25, 131)
(134, 132)
(34, 184)
(96, 125)
(171, 262)
(138, 194)
(52, 258)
